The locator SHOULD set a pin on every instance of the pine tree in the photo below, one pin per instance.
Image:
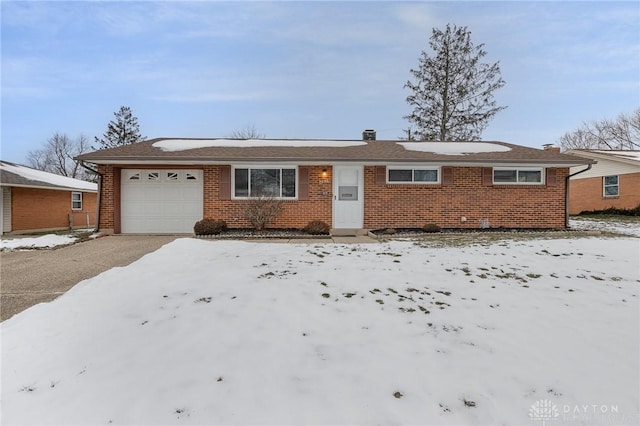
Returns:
(452, 96)
(123, 130)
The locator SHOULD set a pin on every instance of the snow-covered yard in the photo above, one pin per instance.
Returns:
(620, 225)
(223, 332)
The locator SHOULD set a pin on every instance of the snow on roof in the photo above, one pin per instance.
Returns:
(629, 155)
(48, 178)
(454, 148)
(172, 145)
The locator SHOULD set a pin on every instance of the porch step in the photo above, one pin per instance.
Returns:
(340, 232)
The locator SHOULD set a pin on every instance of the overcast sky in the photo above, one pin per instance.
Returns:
(301, 69)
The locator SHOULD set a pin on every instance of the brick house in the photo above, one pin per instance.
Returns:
(166, 185)
(34, 201)
(613, 182)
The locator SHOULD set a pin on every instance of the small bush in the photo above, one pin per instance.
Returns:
(316, 227)
(431, 228)
(263, 210)
(209, 226)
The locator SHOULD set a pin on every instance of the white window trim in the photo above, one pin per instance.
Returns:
(254, 166)
(73, 201)
(604, 186)
(413, 167)
(519, 169)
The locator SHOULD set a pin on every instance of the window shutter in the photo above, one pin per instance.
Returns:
(381, 175)
(225, 183)
(551, 177)
(303, 183)
(447, 176)
(487, 176)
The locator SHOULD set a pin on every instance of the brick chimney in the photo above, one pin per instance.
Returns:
(550, 147)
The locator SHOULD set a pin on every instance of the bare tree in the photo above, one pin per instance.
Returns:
(57, 156)
(622, 133)
(247, 132)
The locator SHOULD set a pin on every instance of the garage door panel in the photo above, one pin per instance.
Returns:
(161, 201)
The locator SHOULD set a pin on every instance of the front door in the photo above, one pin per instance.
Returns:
(348, 197)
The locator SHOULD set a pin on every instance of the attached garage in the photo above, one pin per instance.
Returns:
(161, 201)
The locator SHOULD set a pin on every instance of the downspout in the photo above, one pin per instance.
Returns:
(99, 193)
(566, 194)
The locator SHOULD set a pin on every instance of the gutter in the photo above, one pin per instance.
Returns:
(99, 192)
(566, 193)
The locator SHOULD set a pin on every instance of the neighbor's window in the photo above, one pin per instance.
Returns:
(76, 201)
(525, 176)
(259, 182)
(611, 187)
(412, 175)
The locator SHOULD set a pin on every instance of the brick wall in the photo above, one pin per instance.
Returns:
(47, 209)
(295, 214)
(509, 206)
(586, 194)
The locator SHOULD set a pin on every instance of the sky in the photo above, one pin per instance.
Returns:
(301, 69)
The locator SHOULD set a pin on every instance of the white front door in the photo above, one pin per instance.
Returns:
(348, 197)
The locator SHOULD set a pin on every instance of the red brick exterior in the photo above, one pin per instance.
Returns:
(587, 194)
(509, 206)
(34, 209)
(296, 214)
(385, 205)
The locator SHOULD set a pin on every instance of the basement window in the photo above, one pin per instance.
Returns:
(276, 182)
(517, 176)
(76, 201)
(611, 186)
(412, 175)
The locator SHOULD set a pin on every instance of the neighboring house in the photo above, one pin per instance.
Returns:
(33, 200)
(166, 185)
(613, 182)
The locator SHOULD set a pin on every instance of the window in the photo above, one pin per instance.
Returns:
(270, 182)
(610, 186)
(76, 201)
(172, 175)
(525, 176)
(153, 176)
(412, 175)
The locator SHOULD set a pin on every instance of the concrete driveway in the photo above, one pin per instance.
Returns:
(32, 277)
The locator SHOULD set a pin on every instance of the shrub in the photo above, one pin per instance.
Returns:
(209, 226)
(614, 211)
(262, 211)
(316, 227)
(431, 228)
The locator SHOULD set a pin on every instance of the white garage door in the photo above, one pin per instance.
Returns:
(160, 201)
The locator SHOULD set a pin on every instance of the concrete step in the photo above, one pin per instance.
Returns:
(341, 232)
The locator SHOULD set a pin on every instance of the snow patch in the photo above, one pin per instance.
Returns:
(43, 241)
(454, 148)
(50, 178)
(172, 145)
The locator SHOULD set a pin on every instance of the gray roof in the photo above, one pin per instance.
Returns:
(221, 151)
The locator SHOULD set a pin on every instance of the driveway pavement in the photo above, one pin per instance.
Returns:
(31, 277)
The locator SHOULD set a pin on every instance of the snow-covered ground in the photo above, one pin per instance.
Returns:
(631, 226)
(42, 241)
(223, 332)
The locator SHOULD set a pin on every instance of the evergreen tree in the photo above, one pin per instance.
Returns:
(452, 95)
(123, 130)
